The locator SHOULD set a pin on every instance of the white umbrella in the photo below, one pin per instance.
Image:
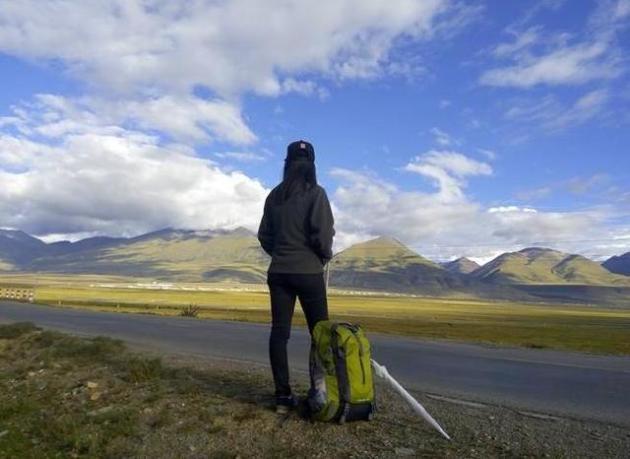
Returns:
(382, 372)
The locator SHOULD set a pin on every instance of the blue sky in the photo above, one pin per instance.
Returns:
(460, 128)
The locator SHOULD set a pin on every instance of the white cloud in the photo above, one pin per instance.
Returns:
(622, 9)
(229, 47)
(543, 228)
(446, 223)
(489, 154)
(522, 40)
(583, 185)
(448, 169)
(565, 65)
(100, 164)
(552, 115)
(584, 109)
(552, 59)
(442, 138)
(488, 256)
(535, 194)
(462, 13)
(184, 118)
(98, 178)
(303, 87)
(538, 7)
(593, 185)
(610, 16)
(242, 156)
(91, 177)
(366, 206)
(455, 163)
(120, 158)
(504, 209)
(146, 58)
(539, 110)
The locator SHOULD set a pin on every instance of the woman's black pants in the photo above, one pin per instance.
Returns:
(283, 289)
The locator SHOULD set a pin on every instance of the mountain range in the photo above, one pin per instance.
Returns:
(179, 255)
(381, 264)
(546, 266)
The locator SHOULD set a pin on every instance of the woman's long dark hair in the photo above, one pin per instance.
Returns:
(298, 176)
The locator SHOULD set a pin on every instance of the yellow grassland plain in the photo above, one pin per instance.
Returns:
(535, 325)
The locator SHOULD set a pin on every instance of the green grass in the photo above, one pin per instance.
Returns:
(579, 328)
(16, 330)
(43, 392)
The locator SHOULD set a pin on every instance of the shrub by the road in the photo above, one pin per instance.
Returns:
(190, 311)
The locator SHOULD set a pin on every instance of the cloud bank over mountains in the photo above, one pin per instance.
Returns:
(161, 82)
(445, 223)
(67, 171)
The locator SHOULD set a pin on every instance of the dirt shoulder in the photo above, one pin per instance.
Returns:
(63, 396)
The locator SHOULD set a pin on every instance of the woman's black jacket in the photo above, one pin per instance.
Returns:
(297, 233)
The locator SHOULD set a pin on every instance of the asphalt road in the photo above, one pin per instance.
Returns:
(559, 383)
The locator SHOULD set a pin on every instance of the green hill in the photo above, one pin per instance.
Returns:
(546, 266)
(386, 264)
(381, 253)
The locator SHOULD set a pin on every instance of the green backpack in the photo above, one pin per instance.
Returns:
(342, 388)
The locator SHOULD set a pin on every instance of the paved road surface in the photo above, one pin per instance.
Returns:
(567, 384)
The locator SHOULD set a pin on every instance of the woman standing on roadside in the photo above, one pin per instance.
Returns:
(297, 232)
